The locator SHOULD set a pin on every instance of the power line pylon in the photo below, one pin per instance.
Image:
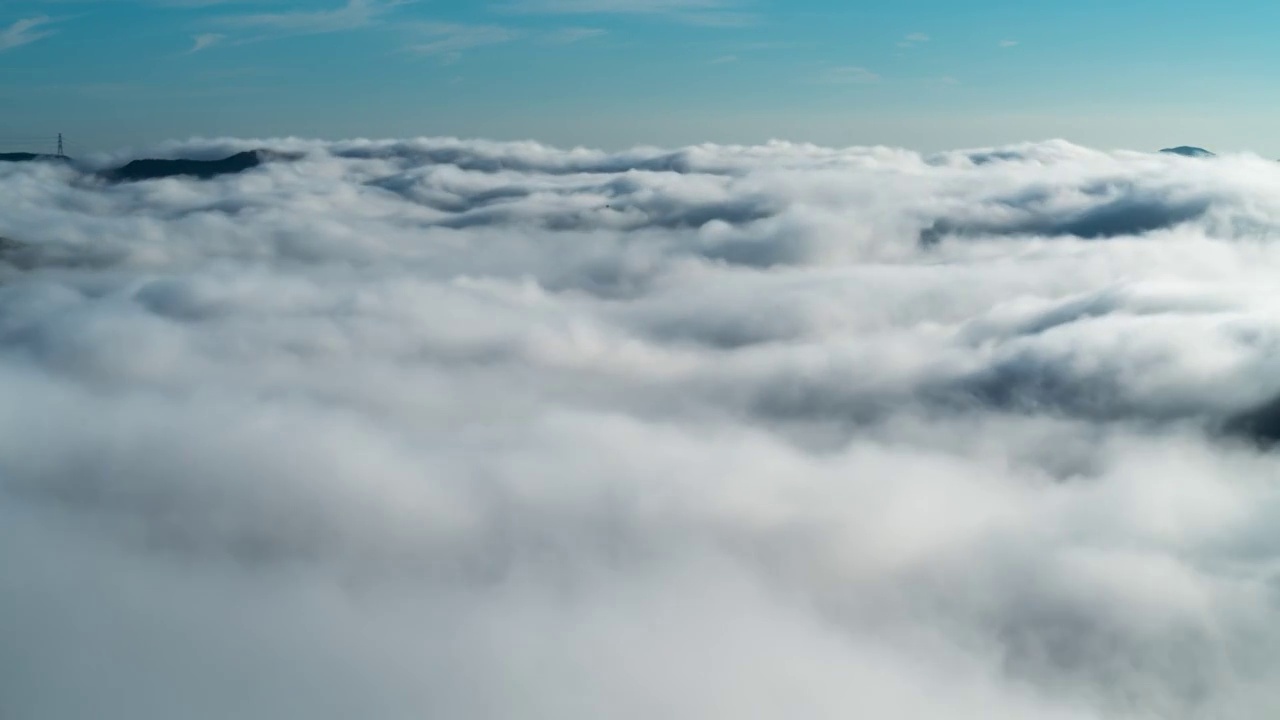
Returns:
(60, 153)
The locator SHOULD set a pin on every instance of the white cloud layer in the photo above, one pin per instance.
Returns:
(457, 429)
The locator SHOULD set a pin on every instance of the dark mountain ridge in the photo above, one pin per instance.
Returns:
(31, 157)
(1188, 151)
(155, 168)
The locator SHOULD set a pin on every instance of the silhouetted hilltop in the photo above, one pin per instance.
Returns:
(153, 168)
(1188, 151)
(149, 169)
(29, 157)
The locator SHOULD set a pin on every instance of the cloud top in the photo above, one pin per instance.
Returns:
(456, 428)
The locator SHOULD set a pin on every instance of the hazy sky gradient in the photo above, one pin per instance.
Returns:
(926, 74)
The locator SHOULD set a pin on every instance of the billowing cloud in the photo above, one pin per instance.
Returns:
(443, 428)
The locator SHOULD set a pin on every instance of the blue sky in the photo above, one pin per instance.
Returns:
(927, 74)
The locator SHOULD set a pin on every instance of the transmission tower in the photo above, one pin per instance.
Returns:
(60, 153)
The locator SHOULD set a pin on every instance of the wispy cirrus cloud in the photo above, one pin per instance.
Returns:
(617, 6)
(713, 13)
(912, 40)
(354, 14)
(848, 75)
(570, 35)
(25, 32)
(448, 40)
(1008, 43)
(205, 41)
(197, 3)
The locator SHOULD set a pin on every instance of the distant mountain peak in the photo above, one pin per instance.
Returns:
(1188, 151)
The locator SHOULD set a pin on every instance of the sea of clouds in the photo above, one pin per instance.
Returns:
(465, 429)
